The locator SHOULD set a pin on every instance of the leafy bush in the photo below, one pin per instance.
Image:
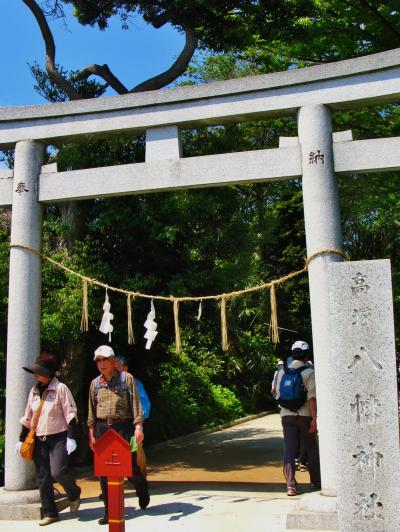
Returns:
(189, 401)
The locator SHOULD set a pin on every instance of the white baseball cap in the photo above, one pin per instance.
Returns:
(104, 351)
(302, 346)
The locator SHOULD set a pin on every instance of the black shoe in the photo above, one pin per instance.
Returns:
(144, 497)
(315, 487)
(103, 520)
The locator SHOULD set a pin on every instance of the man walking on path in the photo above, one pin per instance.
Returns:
(115, 404)
(299, 422)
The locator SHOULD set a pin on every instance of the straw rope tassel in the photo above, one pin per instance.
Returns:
(131, 338)
(178, 345)
(224, 327)
(274, 329)
(85, 307)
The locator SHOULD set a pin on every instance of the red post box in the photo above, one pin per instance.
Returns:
(113, 459)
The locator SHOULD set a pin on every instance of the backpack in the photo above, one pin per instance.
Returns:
(292, 393)
(144, 398)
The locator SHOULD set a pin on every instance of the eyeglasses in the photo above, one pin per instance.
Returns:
(102, 359)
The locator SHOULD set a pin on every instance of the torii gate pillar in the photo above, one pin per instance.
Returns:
(24, 303)
(323, 231)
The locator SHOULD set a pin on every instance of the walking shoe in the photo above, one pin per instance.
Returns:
(144, 497)
(48, 520)
(315, 487)
(74, 505)
(103, 520)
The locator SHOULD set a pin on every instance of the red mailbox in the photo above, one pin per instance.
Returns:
(113, 459)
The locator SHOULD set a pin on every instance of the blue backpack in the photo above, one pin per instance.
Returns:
(292, 393)
(144, 398)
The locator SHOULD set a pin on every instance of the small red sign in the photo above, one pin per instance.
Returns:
(112, 456)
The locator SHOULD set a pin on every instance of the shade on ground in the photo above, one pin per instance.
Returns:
(250, 452)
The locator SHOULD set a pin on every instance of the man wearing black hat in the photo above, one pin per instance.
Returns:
(300, 423)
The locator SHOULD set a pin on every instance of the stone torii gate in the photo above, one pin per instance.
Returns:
(316, 155)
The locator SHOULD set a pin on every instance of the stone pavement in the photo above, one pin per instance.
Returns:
(226, 480)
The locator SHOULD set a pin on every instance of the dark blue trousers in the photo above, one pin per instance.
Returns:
(296, 435)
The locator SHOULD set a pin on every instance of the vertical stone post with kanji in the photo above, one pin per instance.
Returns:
(24, 304)
(323, 232)
(367, 407)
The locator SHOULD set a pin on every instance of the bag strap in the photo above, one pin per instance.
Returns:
(96, 388)
(39, 411)
(286, 369)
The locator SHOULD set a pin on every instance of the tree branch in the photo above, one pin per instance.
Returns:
(177, 69)
(104, 72)
(51, 68)
(159, 20)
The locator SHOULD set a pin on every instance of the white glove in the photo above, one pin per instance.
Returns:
(71, 445)
(18, 447)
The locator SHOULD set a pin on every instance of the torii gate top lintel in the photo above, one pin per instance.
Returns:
(162, 114)
(337, 85)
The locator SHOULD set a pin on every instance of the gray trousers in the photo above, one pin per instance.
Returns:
(51, 461)
(296, 435)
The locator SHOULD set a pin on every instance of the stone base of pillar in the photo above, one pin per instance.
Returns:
(25, 505)
(314, 511)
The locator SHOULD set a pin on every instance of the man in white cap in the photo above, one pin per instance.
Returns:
(114, 403)
(297, 398)
(278, 367)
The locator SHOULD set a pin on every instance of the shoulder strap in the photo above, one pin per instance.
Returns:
(122, 380)
(39, 411)
(96, 388)
(286, 369)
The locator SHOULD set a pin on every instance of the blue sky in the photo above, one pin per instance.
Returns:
(133, 55)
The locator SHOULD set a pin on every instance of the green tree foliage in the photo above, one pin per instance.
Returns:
(220, 25)
(188, 400)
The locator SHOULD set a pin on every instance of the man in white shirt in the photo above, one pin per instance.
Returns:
(300, 426)
(279, 366)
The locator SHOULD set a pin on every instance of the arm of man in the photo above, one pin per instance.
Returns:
(137, 411)
(312, 404)
(273, 383)
(309, 383)
(91, 416)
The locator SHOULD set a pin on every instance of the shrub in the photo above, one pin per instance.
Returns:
(189, 401)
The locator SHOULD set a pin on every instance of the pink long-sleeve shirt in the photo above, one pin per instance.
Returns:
(58, 410)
